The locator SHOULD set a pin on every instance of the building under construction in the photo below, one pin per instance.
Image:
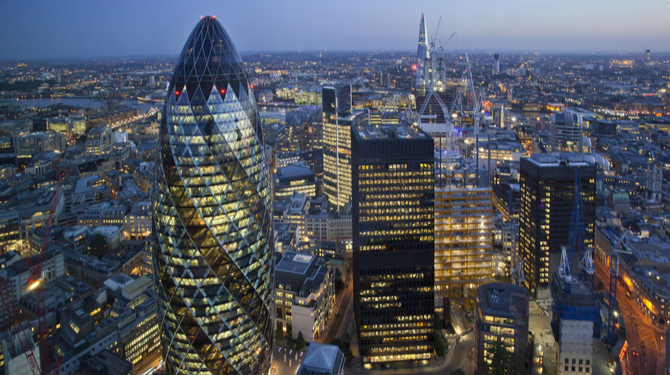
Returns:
(575, 322)
(463, 243)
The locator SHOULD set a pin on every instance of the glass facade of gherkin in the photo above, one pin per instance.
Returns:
(212, 255)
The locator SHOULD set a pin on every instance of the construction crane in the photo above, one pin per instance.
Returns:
(437, 29)
(477, 99)
(442, 45)
(36, 283)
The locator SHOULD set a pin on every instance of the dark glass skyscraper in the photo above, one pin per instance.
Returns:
(212, 256)
(547, 200)
(393, 250)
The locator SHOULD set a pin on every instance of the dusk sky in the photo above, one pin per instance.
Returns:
(39, 29)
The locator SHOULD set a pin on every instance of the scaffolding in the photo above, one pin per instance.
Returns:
(463, 243)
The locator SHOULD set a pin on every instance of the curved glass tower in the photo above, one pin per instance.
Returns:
(212, 256)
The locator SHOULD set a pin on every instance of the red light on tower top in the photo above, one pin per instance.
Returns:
(414, 67)
(223, 91)
(252, 87)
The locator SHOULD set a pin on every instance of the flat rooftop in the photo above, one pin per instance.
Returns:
(368, 132)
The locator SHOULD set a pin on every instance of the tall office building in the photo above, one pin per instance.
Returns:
(566, 132)
(463, 244)
(421, 56)
(547, 199)
(337, 121)
(393, 250)
(212, 219)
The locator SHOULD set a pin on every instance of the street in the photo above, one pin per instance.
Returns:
(285, 361)
(458, 357)
(639, 329)
(334, 324)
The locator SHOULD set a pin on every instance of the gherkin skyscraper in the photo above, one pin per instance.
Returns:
(212, 253)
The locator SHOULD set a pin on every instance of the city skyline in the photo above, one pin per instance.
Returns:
(82, 30)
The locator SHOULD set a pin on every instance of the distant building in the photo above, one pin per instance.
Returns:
(98, 142)
(71, 126)
(619, 200)
(296, 177)
(337, 122)
(333, 226)
(104, 363)
(566, 132)
(501, 317)
(293, 209)
(137, 224)
(304, 294)
(322, 359)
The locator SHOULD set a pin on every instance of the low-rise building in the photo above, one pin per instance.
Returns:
(296, 177)
(322, 359)
(304, 294)
(138, 223)
(501, 314)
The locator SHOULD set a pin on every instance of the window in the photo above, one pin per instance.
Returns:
(588, 362)
(573, 368)
(581, 361)
(566, 368)
(587, 369)
(567, 361)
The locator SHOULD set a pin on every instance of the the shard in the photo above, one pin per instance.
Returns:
(421, 56)
(212, 254)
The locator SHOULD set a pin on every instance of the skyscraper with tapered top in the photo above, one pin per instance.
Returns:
(211, 202)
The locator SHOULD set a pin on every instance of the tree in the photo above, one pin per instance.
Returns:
(339, 285)
(289, 340)
(504, 362)
(300, 342)
(97, 246)
(438, 345)
(279, 335)
(437, 321)
(458, 371)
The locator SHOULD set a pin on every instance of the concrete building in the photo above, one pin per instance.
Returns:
(304, 294)
(98, 142)
(137, 224)
(566, 132)
(575, 323)
(17, 359)
(618, 200)
(333, 226)
(463, 243)
(296, 177)
(501, 317)
(293, 209)
(322, 359)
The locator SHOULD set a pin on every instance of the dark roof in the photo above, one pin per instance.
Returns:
(209, 58)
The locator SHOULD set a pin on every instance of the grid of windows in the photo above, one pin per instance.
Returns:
(212, 216)
(393, 230)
